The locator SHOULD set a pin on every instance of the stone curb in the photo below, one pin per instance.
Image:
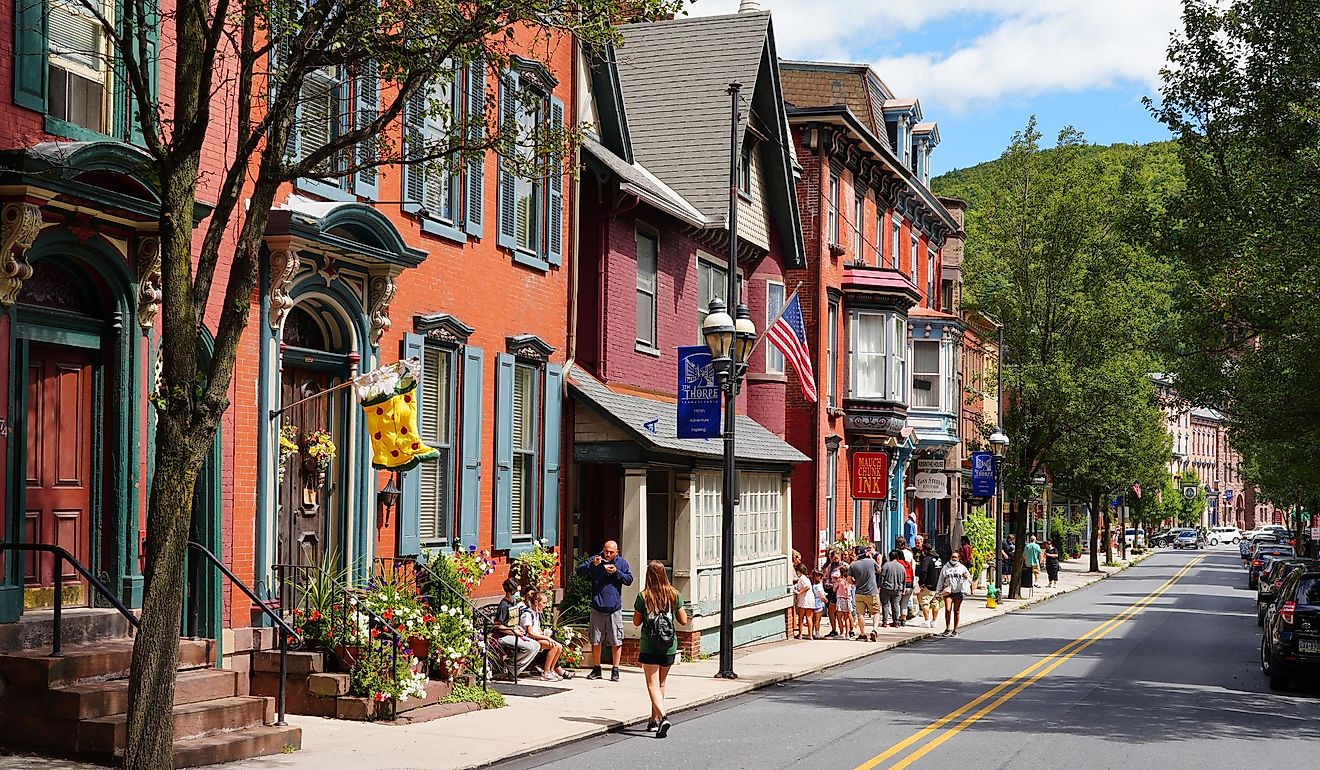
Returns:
(781, 678)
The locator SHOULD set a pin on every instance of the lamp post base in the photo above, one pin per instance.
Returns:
(726, 675)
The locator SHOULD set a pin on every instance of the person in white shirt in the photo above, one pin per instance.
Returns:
(953, 585)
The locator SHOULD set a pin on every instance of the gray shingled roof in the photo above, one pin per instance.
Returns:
(636, 178)
(674, 75)
(653, 424)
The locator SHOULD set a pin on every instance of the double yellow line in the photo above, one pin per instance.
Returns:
(1002, 692)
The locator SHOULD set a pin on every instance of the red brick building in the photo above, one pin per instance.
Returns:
(874, 295)
(654, 247)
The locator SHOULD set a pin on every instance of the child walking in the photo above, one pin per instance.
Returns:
(844, 609)
(804, 601)
(818, 592)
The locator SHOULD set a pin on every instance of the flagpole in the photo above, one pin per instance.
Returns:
(771, 325)
(345, 384)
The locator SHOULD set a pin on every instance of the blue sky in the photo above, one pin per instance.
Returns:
(982, 67)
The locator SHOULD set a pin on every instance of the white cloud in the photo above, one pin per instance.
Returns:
(1027, 47)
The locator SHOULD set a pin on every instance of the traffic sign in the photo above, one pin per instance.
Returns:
(1228, 495)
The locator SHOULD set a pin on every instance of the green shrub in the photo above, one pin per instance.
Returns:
(470, 693)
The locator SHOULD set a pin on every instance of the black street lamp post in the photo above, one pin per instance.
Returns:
(730, 339)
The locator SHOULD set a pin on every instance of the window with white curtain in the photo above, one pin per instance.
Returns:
(898, 355)
(868, 362)
(926, 387)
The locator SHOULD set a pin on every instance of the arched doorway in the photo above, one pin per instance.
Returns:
(316, 355)
(72, 422)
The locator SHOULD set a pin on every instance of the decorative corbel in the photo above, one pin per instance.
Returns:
(283, 267)
(149, 291)
(382, 290)
(19, 225)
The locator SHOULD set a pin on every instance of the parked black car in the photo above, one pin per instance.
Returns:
(1291, 642)
(1258, 559)
(1271, 579)
(1166, 538)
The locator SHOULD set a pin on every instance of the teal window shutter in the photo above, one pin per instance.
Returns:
(366, 93)
(408, 521)
(554, 400)
(555, 194)
(30, 54)
(475, 186)
(504, 374)
(414, 137)
(505, 204)
(469, 491)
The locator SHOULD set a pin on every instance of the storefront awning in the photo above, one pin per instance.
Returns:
(651, 425)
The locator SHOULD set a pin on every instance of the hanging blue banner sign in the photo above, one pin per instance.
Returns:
(983, 474)
(698, 394)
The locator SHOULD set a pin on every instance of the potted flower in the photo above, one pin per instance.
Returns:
(288, 447)
(453, 635)
(320, 450)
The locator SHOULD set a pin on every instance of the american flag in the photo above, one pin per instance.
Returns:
(789, 334)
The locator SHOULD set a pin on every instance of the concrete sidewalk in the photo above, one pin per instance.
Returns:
(561, 713)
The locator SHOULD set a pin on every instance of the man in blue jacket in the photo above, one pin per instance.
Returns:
(609, 573)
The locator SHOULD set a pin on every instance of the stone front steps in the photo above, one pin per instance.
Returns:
(76, 706)
(312, 691)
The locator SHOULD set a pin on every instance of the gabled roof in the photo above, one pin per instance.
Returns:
(634, 178)
(675, 76)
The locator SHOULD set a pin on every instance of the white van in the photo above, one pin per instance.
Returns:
(1224, 535)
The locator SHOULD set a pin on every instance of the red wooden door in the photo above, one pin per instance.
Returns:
(59, 458)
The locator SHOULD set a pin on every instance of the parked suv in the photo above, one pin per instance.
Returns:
(1188, 538)
(1291, 642)
(1224, 535)
(1259, 554)
(1271, 579)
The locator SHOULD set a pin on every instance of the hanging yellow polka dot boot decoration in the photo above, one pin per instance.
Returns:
(389, 399)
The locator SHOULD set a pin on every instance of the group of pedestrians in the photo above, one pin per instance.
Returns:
(1035, 556)
(857, 588)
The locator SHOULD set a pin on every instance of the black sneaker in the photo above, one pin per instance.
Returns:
(595, 673)
(651, 724)
(663, 728)
(614, 674)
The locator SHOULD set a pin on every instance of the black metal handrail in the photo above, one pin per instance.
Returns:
(288, 635)
(62, 555)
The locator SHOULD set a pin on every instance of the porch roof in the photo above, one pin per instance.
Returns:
(653, 425)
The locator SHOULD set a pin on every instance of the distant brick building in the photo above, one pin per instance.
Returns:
(874, 295)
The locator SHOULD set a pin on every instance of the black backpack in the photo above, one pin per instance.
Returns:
(660, 627)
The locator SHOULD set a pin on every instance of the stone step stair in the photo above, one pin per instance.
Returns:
(76, 706)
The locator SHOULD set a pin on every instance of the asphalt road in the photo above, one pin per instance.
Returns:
(1153, 668)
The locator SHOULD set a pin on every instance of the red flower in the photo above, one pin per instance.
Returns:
(375, 632)
(427, 618)
(316, 615)
(297, 612)
(387, 614)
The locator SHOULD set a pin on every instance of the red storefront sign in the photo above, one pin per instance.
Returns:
(870, 476)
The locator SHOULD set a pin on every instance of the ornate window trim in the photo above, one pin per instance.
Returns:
(442, 328)
(529, 347)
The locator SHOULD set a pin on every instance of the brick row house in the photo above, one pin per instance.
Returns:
(654, 246)
(885, 333)
(464, 268)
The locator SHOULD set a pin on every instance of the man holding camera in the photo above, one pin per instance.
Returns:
(609, 573)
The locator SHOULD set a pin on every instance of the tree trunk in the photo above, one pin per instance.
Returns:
(156, 648)
(1095, 531)
(1109, 534)
(1019, 553)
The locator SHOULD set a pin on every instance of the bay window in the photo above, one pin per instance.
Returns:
(878, 356)
(926, 388)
